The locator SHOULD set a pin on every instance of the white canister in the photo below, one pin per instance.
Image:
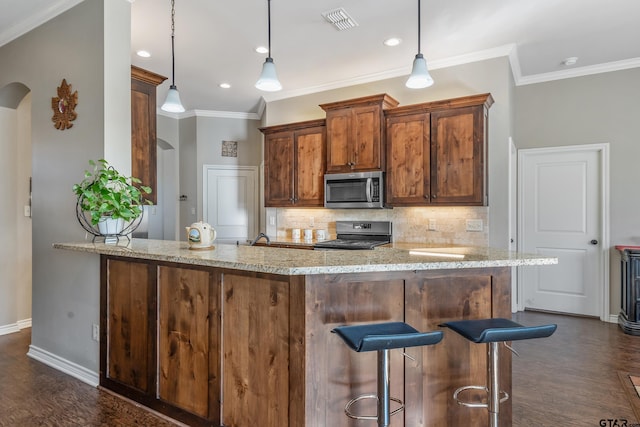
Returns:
(320, 235)
(295, 233)
(308, 234)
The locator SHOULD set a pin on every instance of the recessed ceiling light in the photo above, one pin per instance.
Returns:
(392, 41)
(225, 85)
(143, 53)
(262, 49)
(570, 61)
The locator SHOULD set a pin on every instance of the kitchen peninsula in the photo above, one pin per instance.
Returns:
(241, 335)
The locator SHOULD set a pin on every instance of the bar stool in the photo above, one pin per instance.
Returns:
(382, 337)
(492, 332)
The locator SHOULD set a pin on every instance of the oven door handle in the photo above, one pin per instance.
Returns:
(369, 190)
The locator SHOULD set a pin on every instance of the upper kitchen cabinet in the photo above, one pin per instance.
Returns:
(355, 133)
(294, 164)
(437, 152)
(143, 127)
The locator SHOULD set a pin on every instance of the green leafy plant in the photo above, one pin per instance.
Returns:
(106, 192)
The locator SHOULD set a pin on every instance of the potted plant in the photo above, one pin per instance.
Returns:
(110, 198)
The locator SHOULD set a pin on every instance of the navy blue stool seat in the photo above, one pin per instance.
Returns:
(382, 337)
(492, 332)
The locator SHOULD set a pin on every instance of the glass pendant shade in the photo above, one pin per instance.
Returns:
(420, 77)
(172, 104)
(268, 80)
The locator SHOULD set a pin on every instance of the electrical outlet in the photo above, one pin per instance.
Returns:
(95, 332)
(27, 210)
(474, 225)
(432, 225)
(272, 220)
(312, 221)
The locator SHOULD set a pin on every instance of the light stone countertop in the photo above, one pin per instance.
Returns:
(291, 262)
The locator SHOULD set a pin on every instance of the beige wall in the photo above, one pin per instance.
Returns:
(602, 108)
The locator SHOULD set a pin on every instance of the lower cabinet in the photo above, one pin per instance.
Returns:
(220, 347)
(188, 328)
(160, 339)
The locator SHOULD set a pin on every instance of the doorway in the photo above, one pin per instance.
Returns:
(230, 201)
(563, 212)
(15, 209)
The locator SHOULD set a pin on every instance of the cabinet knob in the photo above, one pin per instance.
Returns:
(594, 242)
(434, 196)
(426, 196)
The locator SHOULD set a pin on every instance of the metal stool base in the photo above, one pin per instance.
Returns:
(476, 404)
(347, 407)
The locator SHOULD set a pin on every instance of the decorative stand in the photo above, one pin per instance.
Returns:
(85, 222)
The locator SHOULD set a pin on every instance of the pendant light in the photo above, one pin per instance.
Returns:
(172, 104)
(268, 80)
(420, 77)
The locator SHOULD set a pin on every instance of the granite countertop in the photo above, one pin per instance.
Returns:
(264, 259)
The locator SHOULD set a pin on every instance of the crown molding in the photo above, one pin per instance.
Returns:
(509, 50)
(211, 113)
(578, 72)
(36, 19)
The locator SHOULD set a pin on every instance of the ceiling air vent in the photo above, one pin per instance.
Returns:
(340, 19)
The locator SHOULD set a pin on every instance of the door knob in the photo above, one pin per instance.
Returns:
(594, 242)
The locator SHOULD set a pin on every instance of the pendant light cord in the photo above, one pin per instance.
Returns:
(269, 25)
(173, 30)
(419, 50)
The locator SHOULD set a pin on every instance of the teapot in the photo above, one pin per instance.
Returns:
(200, 235)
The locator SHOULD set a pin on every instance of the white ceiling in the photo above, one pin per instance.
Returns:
(215, 41)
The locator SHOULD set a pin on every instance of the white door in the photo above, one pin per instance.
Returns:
(561, 214)
(230, 201)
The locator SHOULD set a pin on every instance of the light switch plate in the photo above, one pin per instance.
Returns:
(432, 225)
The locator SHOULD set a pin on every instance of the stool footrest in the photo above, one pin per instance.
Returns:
(476, 404)
(347, 407)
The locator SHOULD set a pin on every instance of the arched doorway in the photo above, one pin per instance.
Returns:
(15, 219)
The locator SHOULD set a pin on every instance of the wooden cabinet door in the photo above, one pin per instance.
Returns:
(366, 138)
(354, 139)
(458, 156)
(309, 167)
(143, 127)
(127, 358)
(279, 169)
(339, 133)
(189, 341)
(256, 349)
(408, 160)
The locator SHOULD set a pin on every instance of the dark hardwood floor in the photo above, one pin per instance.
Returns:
(569, 379)
(33, 394)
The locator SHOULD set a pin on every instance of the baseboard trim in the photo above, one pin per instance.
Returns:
(9, 329)
(24, 324)
(73, 369)
(15, 327)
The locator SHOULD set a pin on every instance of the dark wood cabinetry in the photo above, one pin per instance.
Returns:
(355, 133)
(143, 127)
(215, 346)
(159, 324)
(436, 152)
(294, 164)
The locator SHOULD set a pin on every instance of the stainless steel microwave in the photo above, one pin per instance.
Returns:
(357, 190)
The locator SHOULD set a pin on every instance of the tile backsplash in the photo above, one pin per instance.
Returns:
(437, 225)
